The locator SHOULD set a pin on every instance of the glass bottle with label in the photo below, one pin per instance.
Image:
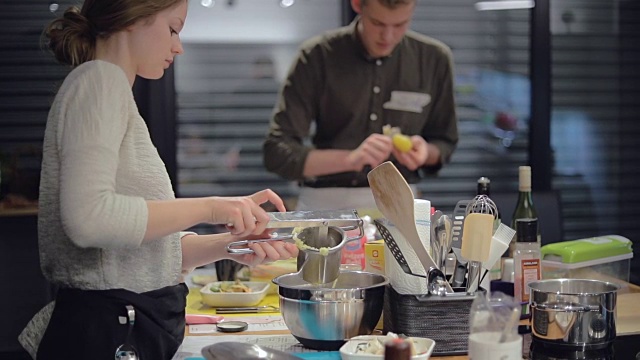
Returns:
(526, 258)
(525, 209)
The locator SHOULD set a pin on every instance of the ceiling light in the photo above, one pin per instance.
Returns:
(286, 3)
(504, 5)
(207, 3)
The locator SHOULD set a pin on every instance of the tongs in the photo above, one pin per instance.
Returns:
(345, 219)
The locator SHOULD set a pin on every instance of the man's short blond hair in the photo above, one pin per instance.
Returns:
(391, 4)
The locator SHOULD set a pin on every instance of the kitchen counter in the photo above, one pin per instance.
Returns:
(628, 317)
(195, 306)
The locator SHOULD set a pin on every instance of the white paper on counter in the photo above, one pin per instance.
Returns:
(400, 281)
(192, 345)
(256, 323)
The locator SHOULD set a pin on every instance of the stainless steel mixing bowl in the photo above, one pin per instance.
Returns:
(323, 316)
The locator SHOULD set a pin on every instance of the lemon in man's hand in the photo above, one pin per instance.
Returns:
(402, 142)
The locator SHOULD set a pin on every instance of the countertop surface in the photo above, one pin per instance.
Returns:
(628, 321)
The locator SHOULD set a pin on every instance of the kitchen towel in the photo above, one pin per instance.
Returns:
(402, 282)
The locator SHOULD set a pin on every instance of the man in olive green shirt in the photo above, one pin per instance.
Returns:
(351, 82)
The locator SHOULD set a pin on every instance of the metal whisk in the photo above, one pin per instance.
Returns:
(482, 204)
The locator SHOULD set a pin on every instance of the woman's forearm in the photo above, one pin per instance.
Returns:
(199, 250)
(170, 216)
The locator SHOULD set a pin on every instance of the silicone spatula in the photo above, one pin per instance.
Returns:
(476, 245)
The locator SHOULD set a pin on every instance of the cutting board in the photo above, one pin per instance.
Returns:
(628, 314)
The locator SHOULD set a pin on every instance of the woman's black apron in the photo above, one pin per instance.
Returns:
(85, 324)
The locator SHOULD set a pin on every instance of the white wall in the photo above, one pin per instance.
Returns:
(259, 21)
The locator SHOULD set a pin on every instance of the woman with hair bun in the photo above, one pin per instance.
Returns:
(109, 225)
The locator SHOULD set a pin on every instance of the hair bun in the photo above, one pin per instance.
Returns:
(71, 37)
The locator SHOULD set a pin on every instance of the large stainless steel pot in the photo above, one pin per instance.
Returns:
(573, 313)
(322, 317)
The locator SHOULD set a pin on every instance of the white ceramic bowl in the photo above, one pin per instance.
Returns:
(234, 299)
(424, 348)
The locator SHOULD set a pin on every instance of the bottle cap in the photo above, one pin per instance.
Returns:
(484, 186)
(524, 178)
(526, 230)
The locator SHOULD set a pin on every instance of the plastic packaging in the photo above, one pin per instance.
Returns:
(493, 328)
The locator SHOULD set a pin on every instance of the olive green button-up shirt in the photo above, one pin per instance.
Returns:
(350, 95)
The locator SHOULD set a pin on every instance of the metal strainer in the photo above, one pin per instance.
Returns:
(319, 266)
(320, 230)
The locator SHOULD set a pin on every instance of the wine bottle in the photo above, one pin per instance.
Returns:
(525, 209)
(484, 188)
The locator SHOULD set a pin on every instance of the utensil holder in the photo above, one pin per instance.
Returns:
(444, 319)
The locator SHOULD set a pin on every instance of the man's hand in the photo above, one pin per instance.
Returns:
(373, 151)
(416, 157)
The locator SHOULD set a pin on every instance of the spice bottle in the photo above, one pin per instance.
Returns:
(526, 258)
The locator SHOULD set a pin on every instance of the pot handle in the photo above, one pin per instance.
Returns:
(565, 307)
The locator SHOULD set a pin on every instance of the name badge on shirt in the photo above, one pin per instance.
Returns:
(407, 101)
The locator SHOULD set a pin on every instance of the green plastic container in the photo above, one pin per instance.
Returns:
(604, 258)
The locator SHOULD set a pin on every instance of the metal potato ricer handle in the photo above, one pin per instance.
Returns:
(344, 219)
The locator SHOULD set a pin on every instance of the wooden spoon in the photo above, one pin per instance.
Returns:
(394, 199)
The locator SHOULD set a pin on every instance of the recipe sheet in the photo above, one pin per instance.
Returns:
(192, 345)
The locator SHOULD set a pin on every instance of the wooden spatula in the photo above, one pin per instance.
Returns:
(394, 199)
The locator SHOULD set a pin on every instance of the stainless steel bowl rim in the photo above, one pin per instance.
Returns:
(307, 288)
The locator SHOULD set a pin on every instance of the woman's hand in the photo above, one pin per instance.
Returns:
(266, 252)
(243, 215)
(198, 250)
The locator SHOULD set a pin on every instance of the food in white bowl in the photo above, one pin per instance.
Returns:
(371, 347)
(233, 294)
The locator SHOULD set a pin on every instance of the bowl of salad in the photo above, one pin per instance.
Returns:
(233, 293)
